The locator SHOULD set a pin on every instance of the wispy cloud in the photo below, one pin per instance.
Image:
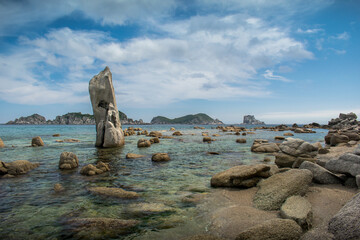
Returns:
(342, 36)
(310, 31)
(337, 51)
(269, 74)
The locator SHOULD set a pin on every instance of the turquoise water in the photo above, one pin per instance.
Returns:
(30, 209)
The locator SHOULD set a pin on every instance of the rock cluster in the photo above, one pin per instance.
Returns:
(91, 170)
(344, 121)
(250, 119)
(294, 151)
(108, 126)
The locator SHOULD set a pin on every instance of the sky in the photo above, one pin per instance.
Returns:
(282, 61)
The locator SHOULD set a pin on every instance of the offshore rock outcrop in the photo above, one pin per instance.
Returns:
(108, 126)
(250, 119)
(34, 119)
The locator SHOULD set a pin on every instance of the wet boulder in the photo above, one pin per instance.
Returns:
(241, 140)
(1, 143)
(68, 160)
(244, 176)
(17, 167)
(91, 170)
(143, 143)
(155, 134)
(37, 142)
(154, 140)
(160, 157)
(133, 156)
(177, 133)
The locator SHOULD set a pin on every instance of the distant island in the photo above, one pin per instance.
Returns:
(200, 118)
(250, 119)
(74, 118)
(78, 118)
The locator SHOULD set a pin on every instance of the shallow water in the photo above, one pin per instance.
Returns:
(30, 209)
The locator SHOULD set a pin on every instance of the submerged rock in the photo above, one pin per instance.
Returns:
(274, 190)
(148, 208)
(298, 209)
(58, 187)
(160, 157)
(274, 229)
(91, 170)
(108, 126)
(113, 192)
(143, 143)
(17, 167)
(100, 228)
(37, 142)
(68, 160)
(244, 176)
(133, 156)
(345, 225)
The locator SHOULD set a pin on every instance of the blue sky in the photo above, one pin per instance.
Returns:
(283, 61)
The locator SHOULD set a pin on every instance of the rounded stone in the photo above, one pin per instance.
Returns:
(68, 160)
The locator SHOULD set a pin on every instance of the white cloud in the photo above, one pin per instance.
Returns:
(304, 117)
(310, 31)
(337, 51)
(204, 57)
(269, 74)
(342, 36)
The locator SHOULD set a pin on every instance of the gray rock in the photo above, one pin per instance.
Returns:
(203, 237)
(345, 225)
(337, 138)
(320, 174)
(348, 163)
(298, 148)
(274, 229)
(357, 180)
(108, 126)
(298, 209)
(244, 176)
(357, 150)
(284, 160)
(68, 160)
(317, 234)
(274, 190)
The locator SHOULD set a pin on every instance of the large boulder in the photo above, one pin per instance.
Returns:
(91, 170)
(274, 229)
(244, 176)
(284, 160)
(298, 148)
(1, 143)
(113, 192)
(264, 146)
(298, 209)
(68, 160)
(108, 126)
(37, 142)
(345, 225)
(274, 190)
(347, 163)
(338, 138)
(320, 174)
(17, 167)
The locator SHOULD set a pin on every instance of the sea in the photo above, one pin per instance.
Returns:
(31, 209)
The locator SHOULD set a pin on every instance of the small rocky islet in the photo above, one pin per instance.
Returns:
(306, 191)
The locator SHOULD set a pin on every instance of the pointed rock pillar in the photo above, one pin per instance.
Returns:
(108, 126)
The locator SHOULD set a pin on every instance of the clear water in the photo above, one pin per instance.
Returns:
(30, 209)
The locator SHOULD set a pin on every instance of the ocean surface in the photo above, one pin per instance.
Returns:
(30, 209)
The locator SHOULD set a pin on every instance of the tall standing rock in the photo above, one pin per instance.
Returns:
(108, 126)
